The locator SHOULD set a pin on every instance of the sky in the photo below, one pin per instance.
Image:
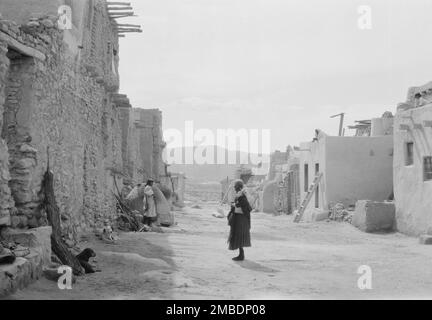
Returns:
(282, 65)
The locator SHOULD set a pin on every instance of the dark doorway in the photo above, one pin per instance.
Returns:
(306, 177)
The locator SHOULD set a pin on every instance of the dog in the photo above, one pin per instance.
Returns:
(84, 258)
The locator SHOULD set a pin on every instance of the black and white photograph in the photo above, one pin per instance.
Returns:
(222, 151)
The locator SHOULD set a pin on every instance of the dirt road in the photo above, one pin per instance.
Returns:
(287, 261)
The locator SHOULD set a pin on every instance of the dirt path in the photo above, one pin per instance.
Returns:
(287, 261)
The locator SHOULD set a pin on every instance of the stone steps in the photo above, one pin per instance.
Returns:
(20, 274)
(27, 270)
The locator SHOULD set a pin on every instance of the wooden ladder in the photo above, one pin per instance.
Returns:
(307, 199)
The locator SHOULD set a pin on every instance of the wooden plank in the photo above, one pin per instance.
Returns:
(123, 16)
(118, 3)
(308, 197)
(129, 31)
(26, 50)
(128, 25)
(119, 8)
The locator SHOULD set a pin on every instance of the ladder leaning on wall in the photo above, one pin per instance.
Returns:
(307, 199)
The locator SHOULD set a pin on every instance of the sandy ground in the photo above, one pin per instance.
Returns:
(287, 261)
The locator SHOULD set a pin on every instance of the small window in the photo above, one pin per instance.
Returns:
(409, 154)
(427, 168)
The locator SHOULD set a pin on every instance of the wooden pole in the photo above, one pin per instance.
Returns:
(341, 123)
(119, 8)
(53, 214)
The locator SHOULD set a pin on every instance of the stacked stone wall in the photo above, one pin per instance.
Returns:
(54, 107)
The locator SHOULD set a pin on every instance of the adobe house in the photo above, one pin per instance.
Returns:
(57, 88)
(59, 99)
(281, 194)
(413, 162)
(277, 160)
(353, 168)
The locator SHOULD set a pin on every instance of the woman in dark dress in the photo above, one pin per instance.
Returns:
(240, 222)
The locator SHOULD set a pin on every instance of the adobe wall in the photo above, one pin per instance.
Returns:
(146, 145)
(277, 159)
(60, 103)
(312, 153)
(413, 194)
(354, 168)
(358, 168)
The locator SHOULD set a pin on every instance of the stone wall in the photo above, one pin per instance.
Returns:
(6, 202)
(100, 56)
(124, 109)
(54, 100)
(59, 104)
(146, 145)
(142, 145)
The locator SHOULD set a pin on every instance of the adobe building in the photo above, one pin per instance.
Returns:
(278, 160)
(353, 167)
(281, 195)
(413, 162)
(56, 88)
(59, 99)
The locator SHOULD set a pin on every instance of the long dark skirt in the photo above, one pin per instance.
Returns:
(239, 236)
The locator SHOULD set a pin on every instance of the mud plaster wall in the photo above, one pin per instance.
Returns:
(354, 168)
(58, 104)
(358, 168)
(413, 194)
(124, 127)
(146, 145)
(276, 159)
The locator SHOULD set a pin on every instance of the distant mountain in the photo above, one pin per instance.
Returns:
(214, 172)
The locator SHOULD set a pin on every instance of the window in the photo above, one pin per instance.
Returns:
(306, 178)
(427, 168)
(409, 154)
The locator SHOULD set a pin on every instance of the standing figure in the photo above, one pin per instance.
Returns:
(150, 214)
(239, 221)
